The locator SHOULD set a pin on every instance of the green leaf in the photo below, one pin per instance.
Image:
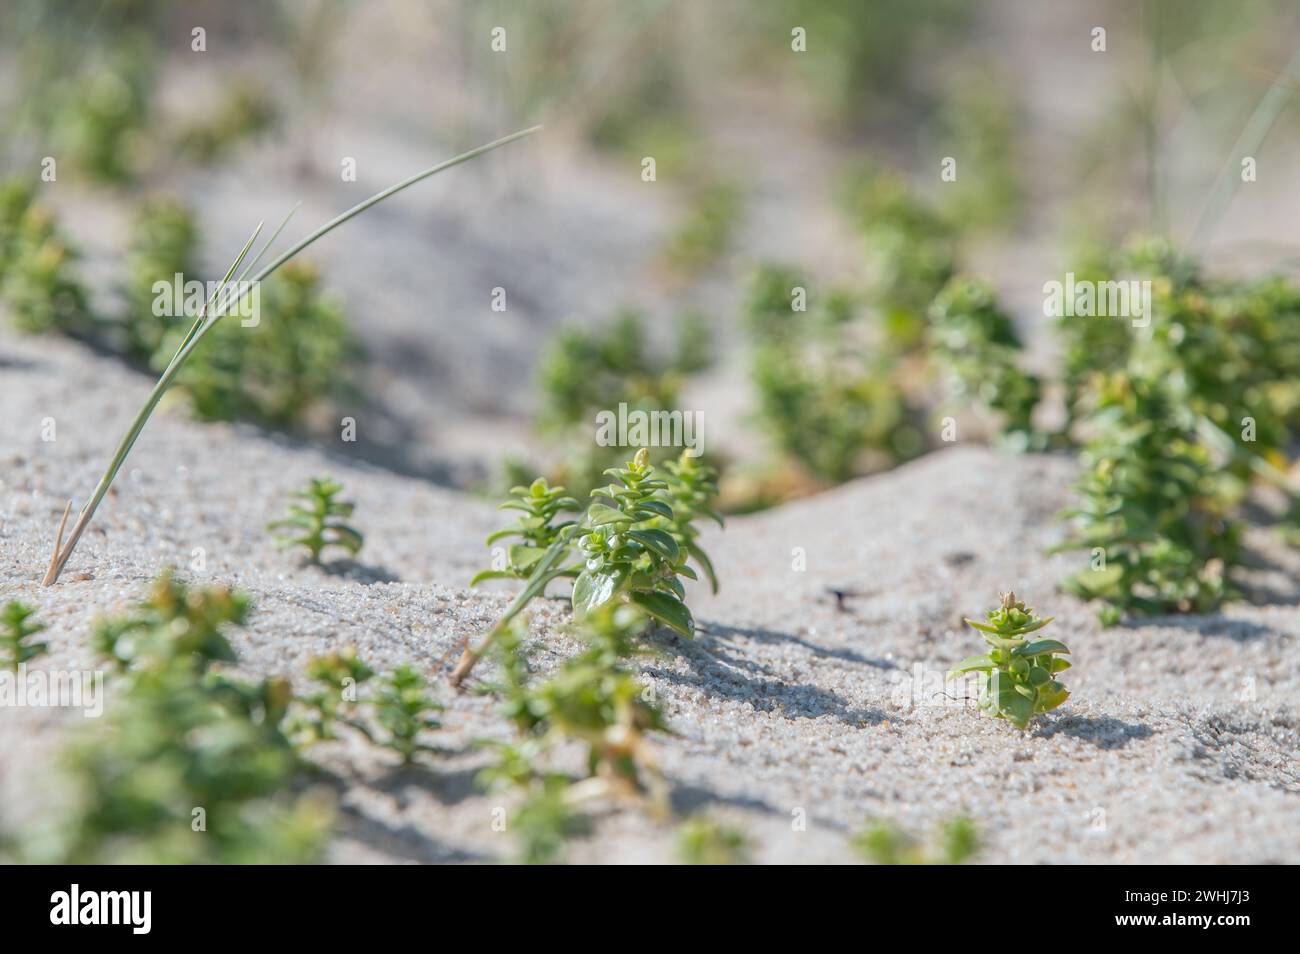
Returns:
(1040, 646)
(705, 563)
(492, 575)
(593, 589)
(523, 556)
(599, 514)
(657, 507)
(668, 610)
(1007, 702)
(660, 541)
(972, 664)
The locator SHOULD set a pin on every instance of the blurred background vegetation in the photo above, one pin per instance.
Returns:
(777, 165)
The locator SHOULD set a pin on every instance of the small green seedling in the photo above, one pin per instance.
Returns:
(164, 243)
(317, 524)
(16, 632)
(404, 707)
(705, 841)
(537, 529)
(191, 764)
(884, 843)
(626, 555)
(337, 679)
(595, 701)
(691, 492)
(1019, 674)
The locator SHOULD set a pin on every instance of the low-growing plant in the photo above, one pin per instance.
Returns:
(332, 701)
(626, 556)
(405, 709)
(537, 530)
(164, 243)
(829, 394)
(692, 492)
(191, 764)
(1153, 507)
(39, 287)
(317, 523)
(1018, 675)
(244, 111)
(884, 843)
(975, 343)
(707, 231)
(273, 371)
(16, 196)
(593, 700)
(706, 841)
(16, 631)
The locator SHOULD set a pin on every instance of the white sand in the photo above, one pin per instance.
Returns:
(784, 704)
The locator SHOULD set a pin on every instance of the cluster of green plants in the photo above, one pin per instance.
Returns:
(583, 371)
(885, 843)
(975, 346)
(397, 715)
(191, 764)
(37, 281)
(706, 233)
(273, 367)
(16, 631)
(315, 519)
(595, 701)
(1177, 418)
(705, 841)
(1017, 674)
(634, 544)
(296, 353)
(828, 395)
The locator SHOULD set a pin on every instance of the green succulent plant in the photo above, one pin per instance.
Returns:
(16, 631)
(273, 366)
(336, 679)
(1153, 508)
(884, 843)
(536, 529)
(593, 700)
(190, 765)
(626, 556)
(691, 492)
(705, 841)
(1018, 675)
(317, 523)
(164, 243)
(974, 341)
(39, 287)
(405, 709)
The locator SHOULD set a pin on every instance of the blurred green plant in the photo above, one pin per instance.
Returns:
(16, 632)
(708, 229)
(191, 764)
(335, 681)
(244, 112)
(39, 288)
(1153, 507)
(100, 108)
(318, 522)
(692, 493)
(292, 354)
(706, 841)
(884, 843)
(974, 342)
(163, 244)
(829, 395)
(405, 709)
(594, 701)
(1017, 675)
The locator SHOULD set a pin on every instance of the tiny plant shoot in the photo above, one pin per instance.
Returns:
(16, 632)
(317, 522)
(226, 299)
(1019, 674)
(536, 529)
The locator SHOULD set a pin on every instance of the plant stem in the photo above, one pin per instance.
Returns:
(124, 448)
